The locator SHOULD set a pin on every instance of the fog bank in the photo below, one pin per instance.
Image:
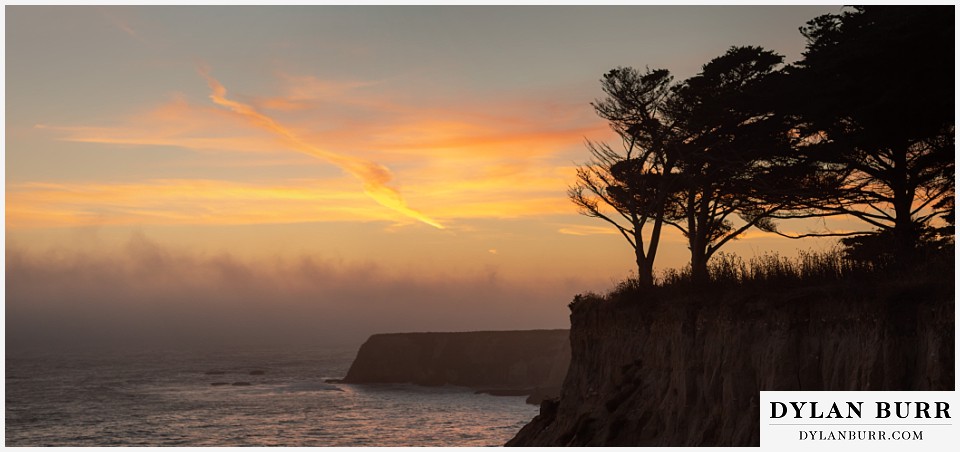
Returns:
(148, 293)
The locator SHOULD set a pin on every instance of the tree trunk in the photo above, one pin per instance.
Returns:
(904, 237)
(904, 233)
(698, 268)
(644, 271)
(698, 244)
(698, 260)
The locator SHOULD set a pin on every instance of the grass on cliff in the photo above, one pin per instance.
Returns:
(771, 272)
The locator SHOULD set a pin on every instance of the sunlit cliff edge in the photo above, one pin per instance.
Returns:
(530, 362)
(685, 369)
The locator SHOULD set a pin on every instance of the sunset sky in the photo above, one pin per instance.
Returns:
(351, 169)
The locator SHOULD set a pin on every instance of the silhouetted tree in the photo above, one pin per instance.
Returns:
(933, 245)
(734, 157)
(628, 190)
(874, 93)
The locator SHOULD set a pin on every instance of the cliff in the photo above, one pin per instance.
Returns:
(505, 362)
(686, 370)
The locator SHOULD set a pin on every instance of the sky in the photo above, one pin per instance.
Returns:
(325, 172)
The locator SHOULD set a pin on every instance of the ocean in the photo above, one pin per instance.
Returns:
(269, 397)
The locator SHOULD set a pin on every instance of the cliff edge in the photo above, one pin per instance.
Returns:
(505, 362)
(686, 370)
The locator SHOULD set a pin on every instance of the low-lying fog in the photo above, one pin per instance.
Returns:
(149, 293)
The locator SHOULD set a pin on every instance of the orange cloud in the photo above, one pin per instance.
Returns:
(375, 177)
(306, 91)
(183, 202)
(576, 229)
(430, 137)
(175, 123)
(452, 190)
(483, 159)
(200, 202)
(375, 119)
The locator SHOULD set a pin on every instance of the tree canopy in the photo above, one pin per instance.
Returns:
(733, 153)
(862, 126)
(628, 190)
(874, 93)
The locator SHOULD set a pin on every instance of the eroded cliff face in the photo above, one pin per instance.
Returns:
(687, 371)
(524, 362)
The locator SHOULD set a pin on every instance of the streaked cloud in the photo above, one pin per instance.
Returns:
(487, 159)
(576, 229)
(375, 177)
(205, 202)
(176, 122)
(185, 202)
(121, 21)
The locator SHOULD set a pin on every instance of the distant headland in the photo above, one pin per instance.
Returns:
(531, 363)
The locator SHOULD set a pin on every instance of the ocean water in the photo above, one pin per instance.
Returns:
(169, 399)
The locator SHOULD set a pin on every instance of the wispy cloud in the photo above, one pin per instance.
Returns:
(177, 122)
(586, 230)
(208, 201)
(191, 201)
(473, 158)
(118, 20)
(374, 177)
